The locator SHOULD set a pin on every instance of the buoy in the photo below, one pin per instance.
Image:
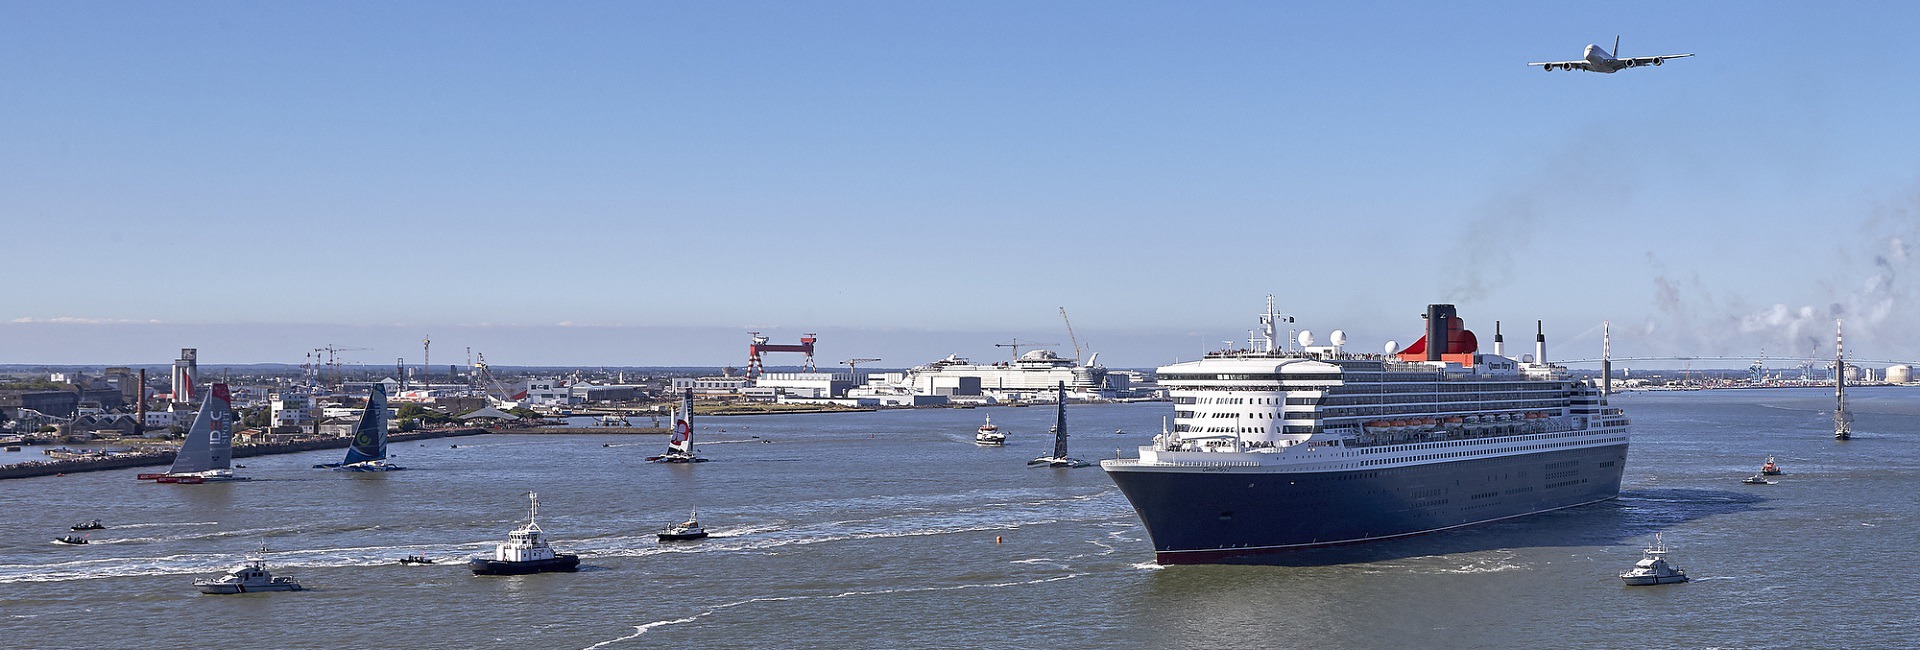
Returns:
(996, 539)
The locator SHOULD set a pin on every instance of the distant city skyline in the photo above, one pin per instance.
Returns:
(642, 184)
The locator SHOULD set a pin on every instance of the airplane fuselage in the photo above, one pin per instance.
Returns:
(1599, 61)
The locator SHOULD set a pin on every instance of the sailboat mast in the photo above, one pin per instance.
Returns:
(1841, 429)
(1060, 425)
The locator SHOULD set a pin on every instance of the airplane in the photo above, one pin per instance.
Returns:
(1597, 60)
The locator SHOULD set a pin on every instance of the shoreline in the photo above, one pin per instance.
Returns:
(56, 468)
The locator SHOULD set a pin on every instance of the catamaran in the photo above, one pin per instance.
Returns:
(206, 456)
(680, 448)
(1059, 457)
(369, 450)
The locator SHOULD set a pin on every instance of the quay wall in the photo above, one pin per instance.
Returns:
(161, 459)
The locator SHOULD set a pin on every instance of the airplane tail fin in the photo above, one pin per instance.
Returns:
(1616, 46)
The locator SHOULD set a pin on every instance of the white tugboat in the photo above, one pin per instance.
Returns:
(526, 551)
(686, 530)
(989, 435)
(248, 578)
(1653, 569)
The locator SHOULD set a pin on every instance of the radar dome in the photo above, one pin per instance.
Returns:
(1392, 346)
(1306, 338)
(1338, 337)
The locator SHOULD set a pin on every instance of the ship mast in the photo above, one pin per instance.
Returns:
(1842, 430)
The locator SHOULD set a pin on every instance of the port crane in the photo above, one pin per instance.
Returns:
(333, 360)
(1017, 344)
(761, 346)
(1077, 354)
(853, 368)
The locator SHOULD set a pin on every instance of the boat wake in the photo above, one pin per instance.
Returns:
(639, 630)
(164, 524)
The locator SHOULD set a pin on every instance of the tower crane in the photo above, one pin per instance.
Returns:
(1077, 354)
(853, 368)
(333, 359)
(1017, 344)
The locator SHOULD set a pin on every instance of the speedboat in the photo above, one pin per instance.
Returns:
(90, 525)
(526, 551)
(248, 578)
(1756, 479)
(1653, 569)
(70, 540)
(686, 530)
(416, 559)
(1770, 469)
(989, 434)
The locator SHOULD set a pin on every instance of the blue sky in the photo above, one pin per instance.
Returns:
(642, 183)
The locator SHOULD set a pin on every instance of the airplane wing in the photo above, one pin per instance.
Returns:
(1562, 65)
(1638, 61)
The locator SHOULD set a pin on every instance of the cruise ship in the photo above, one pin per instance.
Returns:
(1277, 449)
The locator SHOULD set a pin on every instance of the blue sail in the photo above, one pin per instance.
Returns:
(1060, 425)
(370, 435)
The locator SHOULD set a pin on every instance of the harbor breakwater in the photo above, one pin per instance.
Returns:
(54, 467)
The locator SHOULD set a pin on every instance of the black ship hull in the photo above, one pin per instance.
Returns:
(1200, 517)
(565, 562)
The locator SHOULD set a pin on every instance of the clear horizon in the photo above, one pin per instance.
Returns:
(641, 184)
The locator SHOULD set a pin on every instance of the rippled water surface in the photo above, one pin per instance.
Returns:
(878, 530)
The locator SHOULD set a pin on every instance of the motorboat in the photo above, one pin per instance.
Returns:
(1757, 479)
(686, 530)
(416, 559)
(989, 434)
(70, 540)
(1653, 568)
(526, 551)
(250, 577)
(1770, 468)
(89, 525)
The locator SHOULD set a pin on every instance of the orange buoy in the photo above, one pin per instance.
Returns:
(996, 539)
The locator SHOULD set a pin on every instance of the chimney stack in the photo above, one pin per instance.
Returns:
(1540, 342)
(1439, 318)
(1499, 342)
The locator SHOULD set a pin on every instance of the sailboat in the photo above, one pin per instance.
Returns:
(680, 448)
(206, 456)
(1059, 457)
(369, 450)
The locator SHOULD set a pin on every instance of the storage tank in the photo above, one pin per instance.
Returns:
(1900, 374)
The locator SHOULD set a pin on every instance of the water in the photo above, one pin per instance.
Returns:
(877, 530)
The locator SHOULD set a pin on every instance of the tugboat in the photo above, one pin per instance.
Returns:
(1756, 479)
(526, 551)
(70, 540)
(1770, 469)
(416, 559)
(689, 529)
(90, 525)
(250, 577)
(1059, 457)
(1653, 569)
(989, 435)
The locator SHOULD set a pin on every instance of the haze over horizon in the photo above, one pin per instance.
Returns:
(632, 184)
